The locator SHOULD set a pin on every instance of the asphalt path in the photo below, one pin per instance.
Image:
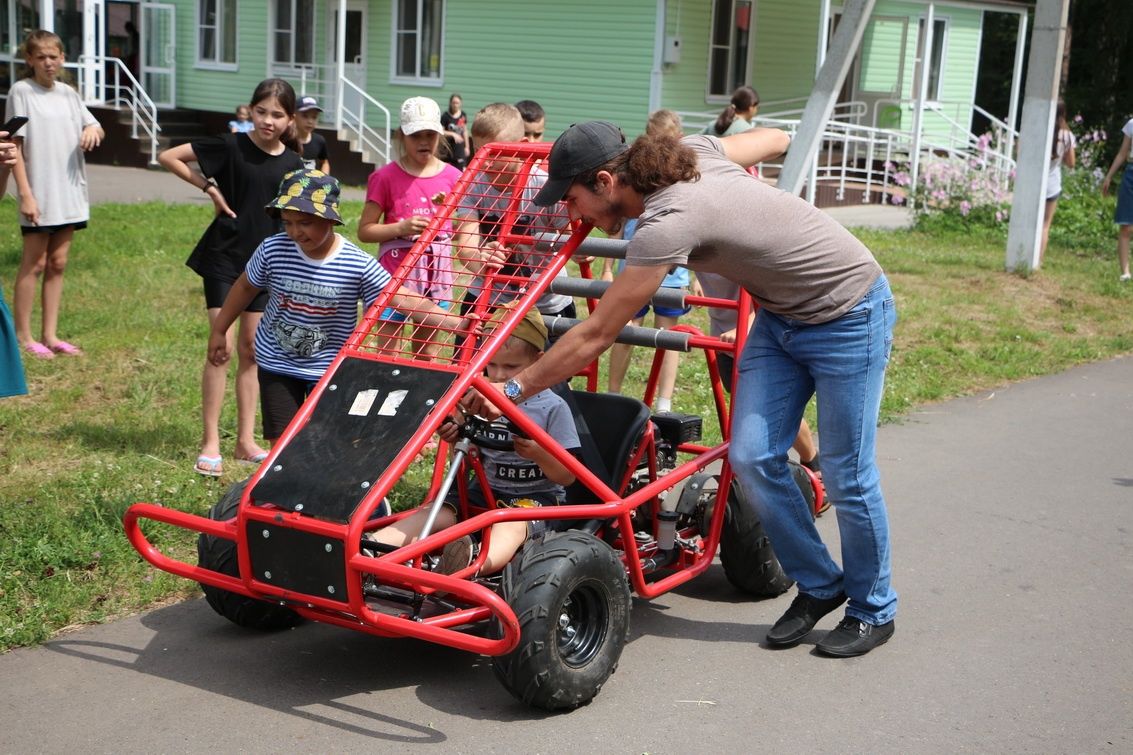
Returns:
(1011, 514)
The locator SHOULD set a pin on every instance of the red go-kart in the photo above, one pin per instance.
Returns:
(651, 504)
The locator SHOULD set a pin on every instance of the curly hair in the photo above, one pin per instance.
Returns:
(652, 162)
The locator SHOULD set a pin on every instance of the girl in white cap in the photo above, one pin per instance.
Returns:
(401, 199)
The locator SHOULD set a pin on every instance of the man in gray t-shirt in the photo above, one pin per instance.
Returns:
(824, 328)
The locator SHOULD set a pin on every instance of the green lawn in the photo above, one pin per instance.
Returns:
(121, 425)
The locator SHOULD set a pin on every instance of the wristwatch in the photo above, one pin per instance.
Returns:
(513, 390)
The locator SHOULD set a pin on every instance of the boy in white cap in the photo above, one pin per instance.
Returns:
(315, 154)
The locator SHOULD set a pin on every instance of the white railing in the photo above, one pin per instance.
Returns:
(112, 84)
(873, 160)
(699, 120)
(364, 121)
(314, 79)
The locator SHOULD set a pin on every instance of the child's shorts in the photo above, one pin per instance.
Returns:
(390, 314)
(51, 230)
(476, 498)
(664, 311)
(216, 291)
(280, 399)
(1124, 213)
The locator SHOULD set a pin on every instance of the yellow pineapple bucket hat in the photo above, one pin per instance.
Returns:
(309, 191)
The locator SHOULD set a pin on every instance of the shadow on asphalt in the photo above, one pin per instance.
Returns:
(334, 677)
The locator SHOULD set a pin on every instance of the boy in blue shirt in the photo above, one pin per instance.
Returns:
(314, 279)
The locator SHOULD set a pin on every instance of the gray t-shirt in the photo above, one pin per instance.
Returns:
(55, 166)
(790, 256)
(486, 204)
(512, 476)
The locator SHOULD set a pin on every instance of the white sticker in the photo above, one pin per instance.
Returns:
(363, 402)
(392, 402)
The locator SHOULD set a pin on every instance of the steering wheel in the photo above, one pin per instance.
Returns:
(479, 431)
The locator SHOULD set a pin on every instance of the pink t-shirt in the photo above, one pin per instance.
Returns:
(403, 195)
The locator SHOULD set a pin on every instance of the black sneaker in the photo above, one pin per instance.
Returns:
(855, 637)
(800, 618)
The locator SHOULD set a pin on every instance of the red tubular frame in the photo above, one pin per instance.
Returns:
(400, 568)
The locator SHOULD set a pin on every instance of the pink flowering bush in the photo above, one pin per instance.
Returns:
(966, 190)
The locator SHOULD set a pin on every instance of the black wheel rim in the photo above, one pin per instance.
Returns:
(583, 619)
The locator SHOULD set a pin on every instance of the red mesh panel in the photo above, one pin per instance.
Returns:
(491, 206)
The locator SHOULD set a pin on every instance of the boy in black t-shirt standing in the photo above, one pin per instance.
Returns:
(315, 153)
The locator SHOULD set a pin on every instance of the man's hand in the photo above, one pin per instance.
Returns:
(475, 402)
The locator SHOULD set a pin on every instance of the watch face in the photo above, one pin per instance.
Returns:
(512, 389)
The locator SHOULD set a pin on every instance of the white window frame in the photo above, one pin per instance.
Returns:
(939, 47)
(724, 97)
(216, 63)
(274, 30)
(395, 33)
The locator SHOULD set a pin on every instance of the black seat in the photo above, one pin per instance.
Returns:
(609, 428)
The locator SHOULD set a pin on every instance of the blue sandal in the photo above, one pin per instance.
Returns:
(209, 466)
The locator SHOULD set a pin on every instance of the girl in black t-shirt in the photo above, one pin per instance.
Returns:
(242, 173)
(455, 123)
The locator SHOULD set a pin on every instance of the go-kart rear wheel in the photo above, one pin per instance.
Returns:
(219, 554)
(570, 594)
(745, 551)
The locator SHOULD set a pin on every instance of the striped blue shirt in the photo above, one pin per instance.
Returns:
(313, 304)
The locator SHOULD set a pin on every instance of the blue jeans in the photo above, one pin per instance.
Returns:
(783, 364)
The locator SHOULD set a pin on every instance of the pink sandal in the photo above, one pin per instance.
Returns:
(38, 350)
(62, 347)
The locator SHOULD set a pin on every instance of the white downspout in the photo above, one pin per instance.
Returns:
(340, 64)
(1016, 82)
(918, 113)
(656, 73)
(820, 58)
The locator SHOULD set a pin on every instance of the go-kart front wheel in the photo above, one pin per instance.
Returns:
(570, 594)
(220, 554)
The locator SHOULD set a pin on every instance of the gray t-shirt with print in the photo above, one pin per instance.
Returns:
(512, 476)
(790, 256)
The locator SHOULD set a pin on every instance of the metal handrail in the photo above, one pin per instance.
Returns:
(128, 93)
(356, 124)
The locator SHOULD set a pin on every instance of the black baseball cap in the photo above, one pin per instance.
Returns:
(582, 147)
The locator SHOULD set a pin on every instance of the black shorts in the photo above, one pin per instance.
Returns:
(216, 291)
(280, 399)
(52, 229)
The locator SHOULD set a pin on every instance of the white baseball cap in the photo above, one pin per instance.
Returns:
(420, 114)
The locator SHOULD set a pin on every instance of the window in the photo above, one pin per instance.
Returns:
(936, 61)
(729, 47)
(216, 38)
(418, 28)
(294, 32)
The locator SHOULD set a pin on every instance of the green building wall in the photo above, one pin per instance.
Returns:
(584, 59)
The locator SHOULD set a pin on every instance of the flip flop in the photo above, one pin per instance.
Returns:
(62, 347)
(209, 466)
(38, 350)
(254, 459)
